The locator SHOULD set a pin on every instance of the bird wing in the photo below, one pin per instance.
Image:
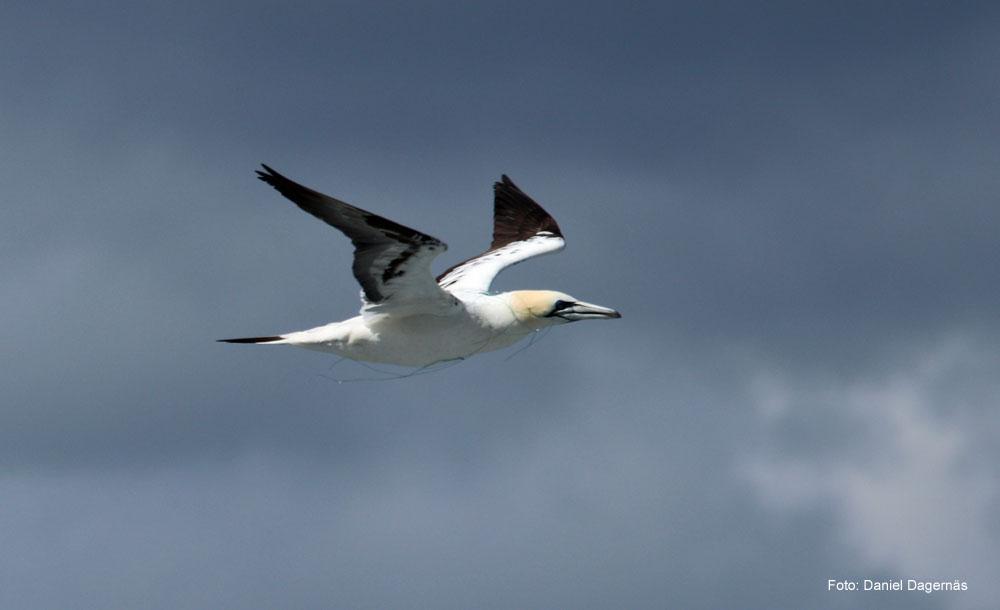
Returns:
(522, 229)
(391, 262)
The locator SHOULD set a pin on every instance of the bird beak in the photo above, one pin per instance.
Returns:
(586, 311)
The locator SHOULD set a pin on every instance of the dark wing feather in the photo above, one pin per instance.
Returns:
(516, 217)
(391, 261)
(522, 229)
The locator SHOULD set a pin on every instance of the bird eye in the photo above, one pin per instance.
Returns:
(559, 306)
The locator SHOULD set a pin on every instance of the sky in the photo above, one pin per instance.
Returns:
(792, 204)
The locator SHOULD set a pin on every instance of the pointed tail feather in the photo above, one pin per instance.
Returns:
(272, 340)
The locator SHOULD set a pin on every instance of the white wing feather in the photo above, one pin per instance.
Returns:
(522, 229)
(476, 274)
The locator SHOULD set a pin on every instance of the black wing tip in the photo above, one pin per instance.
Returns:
(506, 188)
(269, 175)
(284, 185)
(505, 182)
(527, 215)
(250, 340)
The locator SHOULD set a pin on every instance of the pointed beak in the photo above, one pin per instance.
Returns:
(587, 311)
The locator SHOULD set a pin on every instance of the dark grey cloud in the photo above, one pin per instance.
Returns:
(792, 205)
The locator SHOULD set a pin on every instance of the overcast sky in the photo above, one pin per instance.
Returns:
(793, 205)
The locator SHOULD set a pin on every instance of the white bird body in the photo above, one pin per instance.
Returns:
(483, 323)
(408, 317)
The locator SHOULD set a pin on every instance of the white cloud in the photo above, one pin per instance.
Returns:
(914, 492)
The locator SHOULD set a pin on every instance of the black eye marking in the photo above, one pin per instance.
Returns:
(559, 306)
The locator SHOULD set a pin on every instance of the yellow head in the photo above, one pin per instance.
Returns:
(548, 307)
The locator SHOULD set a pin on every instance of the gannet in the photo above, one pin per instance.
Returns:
(408, 317)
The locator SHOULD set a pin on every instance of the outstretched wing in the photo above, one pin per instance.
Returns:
(391, 262)
(521, 230)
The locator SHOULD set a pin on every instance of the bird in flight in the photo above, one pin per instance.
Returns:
(408, 317)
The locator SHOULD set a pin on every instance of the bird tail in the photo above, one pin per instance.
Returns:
(278, 340)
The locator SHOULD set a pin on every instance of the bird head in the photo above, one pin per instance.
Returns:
(548, 308)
